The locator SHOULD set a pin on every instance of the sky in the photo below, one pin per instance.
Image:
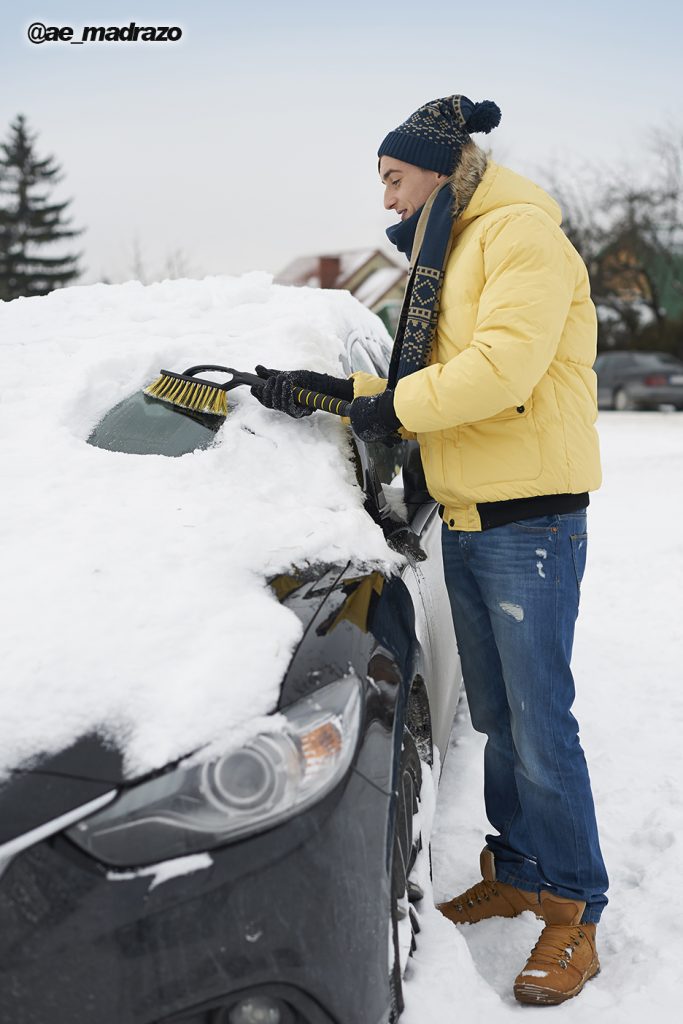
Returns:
(253, 139)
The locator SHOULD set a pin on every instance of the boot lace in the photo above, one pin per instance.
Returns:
(556, 945)
(479, 893)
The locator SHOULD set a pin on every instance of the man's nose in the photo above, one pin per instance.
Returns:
(389, 202)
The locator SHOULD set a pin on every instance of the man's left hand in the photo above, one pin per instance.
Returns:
(373, 418)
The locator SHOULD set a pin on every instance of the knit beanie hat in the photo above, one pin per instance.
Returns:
(434, 135)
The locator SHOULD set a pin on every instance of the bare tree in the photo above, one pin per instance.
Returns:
(138, 268)
(628, 226)
(176, 265)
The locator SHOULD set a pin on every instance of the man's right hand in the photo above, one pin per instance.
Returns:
(278, 390)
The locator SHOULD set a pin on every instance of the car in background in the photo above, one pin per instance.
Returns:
(639, 380)
(309, 836)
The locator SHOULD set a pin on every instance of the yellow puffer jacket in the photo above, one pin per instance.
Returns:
(508, 405)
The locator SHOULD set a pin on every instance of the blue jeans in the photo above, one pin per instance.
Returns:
(514, 593)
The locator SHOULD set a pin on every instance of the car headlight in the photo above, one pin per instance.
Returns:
(273, 776)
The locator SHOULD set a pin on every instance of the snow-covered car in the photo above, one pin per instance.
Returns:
(210, 796)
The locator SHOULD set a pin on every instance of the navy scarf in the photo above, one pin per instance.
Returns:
(420, 311)
(402, 235)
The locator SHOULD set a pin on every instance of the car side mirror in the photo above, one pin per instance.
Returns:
(403, 540)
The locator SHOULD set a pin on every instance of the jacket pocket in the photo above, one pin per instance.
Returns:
(432, 455)
(513, 413)
(502, 449)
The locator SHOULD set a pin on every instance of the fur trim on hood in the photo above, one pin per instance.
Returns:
(467, 176)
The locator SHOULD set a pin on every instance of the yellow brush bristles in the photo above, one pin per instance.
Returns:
(189, 395)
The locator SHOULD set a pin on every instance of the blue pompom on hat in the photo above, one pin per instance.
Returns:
(434, 135)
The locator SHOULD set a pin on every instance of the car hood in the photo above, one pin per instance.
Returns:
(136, 603)
(333, 606)
(30, 799)
(97, 758)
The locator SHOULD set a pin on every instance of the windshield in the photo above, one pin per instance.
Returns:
(145, 426)
(653, 360)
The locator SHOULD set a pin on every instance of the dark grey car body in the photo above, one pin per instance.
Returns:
(639, 380)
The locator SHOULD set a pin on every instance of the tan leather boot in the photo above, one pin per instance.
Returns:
(489, 898)
(563, 959)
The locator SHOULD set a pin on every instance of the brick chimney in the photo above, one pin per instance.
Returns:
(328, 271)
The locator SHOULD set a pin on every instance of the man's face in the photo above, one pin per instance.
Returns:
(406, 187)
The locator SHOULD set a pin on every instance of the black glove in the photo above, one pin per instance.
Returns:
(373, 418)
(278, 390)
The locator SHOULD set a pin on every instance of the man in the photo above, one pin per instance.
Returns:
(492, 371)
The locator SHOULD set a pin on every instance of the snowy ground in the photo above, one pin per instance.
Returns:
(628, 665)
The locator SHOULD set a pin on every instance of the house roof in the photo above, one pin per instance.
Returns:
(377, 284)
(306, 269)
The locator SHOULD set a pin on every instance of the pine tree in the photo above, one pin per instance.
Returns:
(29, 222)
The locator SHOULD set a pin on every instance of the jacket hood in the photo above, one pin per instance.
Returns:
(499, 187)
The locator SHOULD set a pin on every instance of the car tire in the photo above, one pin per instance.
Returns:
(622, 401)
(404, 892)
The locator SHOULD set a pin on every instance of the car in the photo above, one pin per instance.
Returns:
(639, 380)
(278, 881)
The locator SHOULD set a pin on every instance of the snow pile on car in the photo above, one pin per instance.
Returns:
(134, 596)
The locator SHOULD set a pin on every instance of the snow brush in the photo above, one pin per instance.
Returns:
(187, 391)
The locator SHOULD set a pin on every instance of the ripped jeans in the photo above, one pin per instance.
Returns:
(514, 593)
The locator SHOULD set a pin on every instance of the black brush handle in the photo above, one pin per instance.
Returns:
(238, 376)
(311, 399)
